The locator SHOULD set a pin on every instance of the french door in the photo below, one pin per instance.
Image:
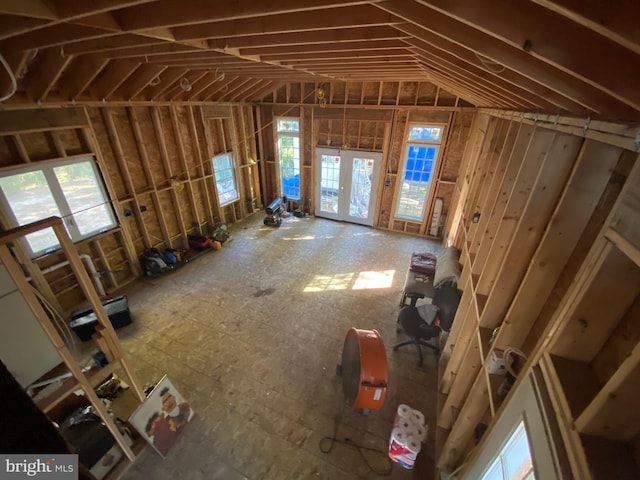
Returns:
(346, 185)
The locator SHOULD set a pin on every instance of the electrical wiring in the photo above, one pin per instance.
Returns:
(14, 84)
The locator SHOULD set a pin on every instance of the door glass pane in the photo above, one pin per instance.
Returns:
(84, 197)
(361, 187)
(30, 199)
(329, 183)
(415, 185)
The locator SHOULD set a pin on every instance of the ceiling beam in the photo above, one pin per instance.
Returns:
(328, 19)
(112, 76)
(338, 35)
(190, 12)
(167, 79)
(324, 47)
(511, 57)
(50, 67)
(616, 21)
(77, 78)
(448, 48)
(138, 81)
(547, 36)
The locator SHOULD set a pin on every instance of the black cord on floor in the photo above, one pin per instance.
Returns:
(326, 445)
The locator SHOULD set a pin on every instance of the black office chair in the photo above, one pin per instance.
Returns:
(447, 299)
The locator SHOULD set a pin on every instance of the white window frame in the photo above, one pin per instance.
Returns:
(529, 403)
(232, 163)
(56, 190)
(409, 142)
(280, 133)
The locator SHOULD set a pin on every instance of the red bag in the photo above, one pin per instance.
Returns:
(423, 263)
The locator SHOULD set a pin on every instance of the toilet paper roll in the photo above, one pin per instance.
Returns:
(399, 437)
(417, 417)
(413, 445)
(421, 432)
(403, 412)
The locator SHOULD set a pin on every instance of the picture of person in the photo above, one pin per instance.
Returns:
(162, 416)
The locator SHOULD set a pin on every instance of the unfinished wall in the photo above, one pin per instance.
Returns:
(156, 163)
(339, 123)
(545, 194)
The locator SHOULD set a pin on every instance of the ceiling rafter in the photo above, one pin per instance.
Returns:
(531, 55)
(544, 40)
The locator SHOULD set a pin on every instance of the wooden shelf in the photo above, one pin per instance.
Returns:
(578, 381)
(95, 376)
(613, 412)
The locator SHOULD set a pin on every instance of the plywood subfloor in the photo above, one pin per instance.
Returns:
(252, 334)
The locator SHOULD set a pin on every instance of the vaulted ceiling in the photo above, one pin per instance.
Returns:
(554, 56)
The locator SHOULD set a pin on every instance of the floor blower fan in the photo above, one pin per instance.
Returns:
(364, 370)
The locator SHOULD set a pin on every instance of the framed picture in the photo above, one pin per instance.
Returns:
(162, 416)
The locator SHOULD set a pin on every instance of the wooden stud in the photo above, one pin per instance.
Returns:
(575, 206)
(183, 161)
(90, 141)
(124, 169)
(533, 219)
(164, 155)
(144, 160)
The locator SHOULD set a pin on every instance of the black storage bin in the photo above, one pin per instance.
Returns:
(84, 320)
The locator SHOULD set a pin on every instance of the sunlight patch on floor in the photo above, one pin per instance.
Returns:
(370, 280)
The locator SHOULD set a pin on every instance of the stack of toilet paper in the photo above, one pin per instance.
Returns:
(409, 431)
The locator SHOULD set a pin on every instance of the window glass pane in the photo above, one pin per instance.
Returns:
(495, 471)
(517, 456)
(427, 133)
(415, 187)
(85, 197)
(289, 154)
(30, 199)
(288, 125)
(225, 179)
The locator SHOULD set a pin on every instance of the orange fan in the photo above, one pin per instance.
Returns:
(364, 369)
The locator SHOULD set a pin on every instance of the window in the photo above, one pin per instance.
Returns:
(72, 190)
(225, 175)
(514, 460)
(288, 131)
(421, 155)
(524, 443)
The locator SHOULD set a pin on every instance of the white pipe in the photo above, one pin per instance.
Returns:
(94, 273)
(54, 267)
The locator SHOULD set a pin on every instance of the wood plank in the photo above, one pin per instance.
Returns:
(138, 81)
(626, 217)
(602, 303)
(474, 408)
(47, 74)
(531, 163)
(465, 377)
(571, 439)
(550, 36)
(494, 186)
(144, 159)
(126, 175)
(534, 217)
(613, 412)
(90, 140)
(23, 121)
(183, 162)
(578, 201)
(166, 165)
(113, 75)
